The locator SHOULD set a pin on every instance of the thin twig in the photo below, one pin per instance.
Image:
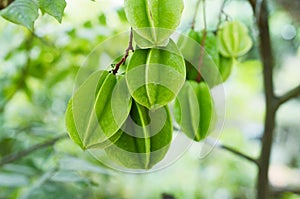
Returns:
(216, 143)
(43, 40)
(221, 12)
(130, 48)
(289, 95)
(240, 154)
(195, 15)
(277, 191)
(202, 43)
(19, 155)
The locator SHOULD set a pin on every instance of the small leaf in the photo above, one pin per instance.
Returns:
(193, 110)
(23, 12)
(146, 137)
(88, 24)
(7, 145)
(155, 76)
(54, 8)
(13, 180)
(153, 20)
(102, 19)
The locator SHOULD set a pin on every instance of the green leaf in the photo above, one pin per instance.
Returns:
(67, 177)
(155, 76)
(13, 180)
(58, 77)
(153, 20)
(97, 110)
(146, 137)
(193, 110)
(102, 19)
(23, 12)
(54, 8)
(77, 164)
(122, 15)
(6, 146)
(234, 40)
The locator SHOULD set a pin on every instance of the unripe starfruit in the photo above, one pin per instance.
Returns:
(97, 110)
(155, 76)
(145, 140)
(233, 39)
(193, 110)
(153, 21)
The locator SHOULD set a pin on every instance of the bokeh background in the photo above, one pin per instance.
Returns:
(37, 75)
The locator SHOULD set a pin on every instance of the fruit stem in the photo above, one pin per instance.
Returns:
(129, 48)
(202, 43)
(195, 15)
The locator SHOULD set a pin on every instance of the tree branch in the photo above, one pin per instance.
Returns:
(270, 101)
(5, 3)
(213, 142)
(289, 95)
(19, 155)
(130, 48)
(278, 191)
(253, 4)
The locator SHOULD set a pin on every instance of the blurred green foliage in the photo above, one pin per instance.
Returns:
(37, 75)
(25, 12)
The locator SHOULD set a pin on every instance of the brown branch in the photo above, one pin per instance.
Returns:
(215, 143)
(19, 155)
(240, 154)
(278, 191)
(253, 4)
(270, 101)
(289, 95)
(167, 196)
(5, 3)
(130, 48)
